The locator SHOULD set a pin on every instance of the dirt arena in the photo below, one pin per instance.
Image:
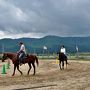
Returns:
(48, 77)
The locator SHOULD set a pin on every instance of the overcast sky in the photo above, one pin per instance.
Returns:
(38, 18)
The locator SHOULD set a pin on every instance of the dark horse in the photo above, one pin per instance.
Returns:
(30, 59)
(62, 58)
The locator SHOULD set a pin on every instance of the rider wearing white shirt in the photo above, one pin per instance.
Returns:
(63, 50)
(22, 52)
(22, 48)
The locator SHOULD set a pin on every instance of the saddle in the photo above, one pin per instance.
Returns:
(22, 60)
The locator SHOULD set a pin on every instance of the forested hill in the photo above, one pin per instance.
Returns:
(52, 43)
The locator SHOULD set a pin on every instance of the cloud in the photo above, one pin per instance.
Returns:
(20, 18)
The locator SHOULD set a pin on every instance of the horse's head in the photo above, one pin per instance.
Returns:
(4, 57)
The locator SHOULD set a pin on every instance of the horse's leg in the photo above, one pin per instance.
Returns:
(34, 68)
(66, 59)
(63, 64)
(14, 70)
(18, 69)
(60, 64)
(66, 63)
(29, 68)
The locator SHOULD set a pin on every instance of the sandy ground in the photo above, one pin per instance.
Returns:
(48, 77)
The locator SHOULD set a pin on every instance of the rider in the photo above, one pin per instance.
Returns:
(63, 50)
(21, 52)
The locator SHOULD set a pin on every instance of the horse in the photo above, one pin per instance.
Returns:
(62, 58)
(30, 59)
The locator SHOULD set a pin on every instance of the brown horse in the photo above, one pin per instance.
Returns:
(30, 59)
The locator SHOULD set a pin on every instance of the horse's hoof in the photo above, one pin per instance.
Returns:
(68, 63)
(60, 68)
(21, 74)
(34, 74)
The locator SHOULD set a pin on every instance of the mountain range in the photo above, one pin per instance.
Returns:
(53, 44)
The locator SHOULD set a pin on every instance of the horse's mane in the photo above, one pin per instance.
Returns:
(9, 53)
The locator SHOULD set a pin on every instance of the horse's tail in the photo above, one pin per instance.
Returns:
(36, 60)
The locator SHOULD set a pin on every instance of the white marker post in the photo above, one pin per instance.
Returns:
(77, 51)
